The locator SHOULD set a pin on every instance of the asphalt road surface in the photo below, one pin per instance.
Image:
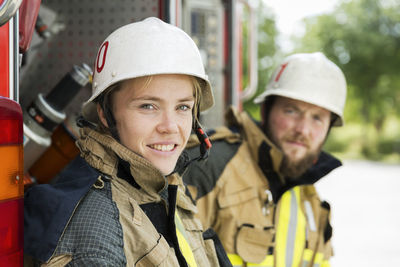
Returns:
(365, 204)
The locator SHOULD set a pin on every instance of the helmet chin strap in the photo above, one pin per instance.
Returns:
(205, 143)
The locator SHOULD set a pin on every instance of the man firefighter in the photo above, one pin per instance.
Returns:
(256, 190)
(121, 203)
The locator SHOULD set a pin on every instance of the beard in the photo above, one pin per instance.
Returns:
(291, 168)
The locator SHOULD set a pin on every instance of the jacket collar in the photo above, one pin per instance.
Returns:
(104, 153)
(270, 157)
(182, 200)
(254, 136)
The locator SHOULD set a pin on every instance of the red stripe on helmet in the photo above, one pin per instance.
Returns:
(283, 66)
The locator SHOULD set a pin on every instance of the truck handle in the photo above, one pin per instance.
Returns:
(251, 88)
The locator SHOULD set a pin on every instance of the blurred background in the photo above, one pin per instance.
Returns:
(363, 38)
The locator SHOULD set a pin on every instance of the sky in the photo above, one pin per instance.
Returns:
(289, 14)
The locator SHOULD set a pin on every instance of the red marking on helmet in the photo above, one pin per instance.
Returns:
(283, 66)
(103, 47)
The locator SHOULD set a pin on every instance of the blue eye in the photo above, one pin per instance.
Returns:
(184, 107)
(147, 106)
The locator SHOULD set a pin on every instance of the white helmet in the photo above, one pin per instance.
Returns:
(311, 78)
(148, 47)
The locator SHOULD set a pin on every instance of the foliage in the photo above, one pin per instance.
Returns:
(348, 141)
(363, 38)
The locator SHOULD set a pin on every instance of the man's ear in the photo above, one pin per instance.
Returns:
(263, 115)
(100, 113)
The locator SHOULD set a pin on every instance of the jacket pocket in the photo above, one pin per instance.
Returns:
(159, 255)
(237, 197)
(194, 230)
(244, 207)
(252, 244)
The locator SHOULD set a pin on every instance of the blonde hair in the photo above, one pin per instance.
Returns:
(198, 85)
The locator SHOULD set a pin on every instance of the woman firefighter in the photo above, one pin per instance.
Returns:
(121, 202)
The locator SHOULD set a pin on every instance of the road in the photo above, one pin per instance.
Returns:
(365, 202)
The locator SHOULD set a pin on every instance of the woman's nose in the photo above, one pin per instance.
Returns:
(168, 123)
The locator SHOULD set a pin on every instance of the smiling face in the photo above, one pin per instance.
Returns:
(299, 129)
(154, 119)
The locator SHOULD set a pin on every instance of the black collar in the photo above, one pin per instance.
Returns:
(325, 164)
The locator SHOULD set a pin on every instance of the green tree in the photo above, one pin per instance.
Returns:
(363, 38)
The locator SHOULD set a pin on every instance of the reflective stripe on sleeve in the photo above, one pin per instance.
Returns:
(238, 262)
(319, 257)
(318, 260)
(235, 260)
(307, 257)
(325, 263)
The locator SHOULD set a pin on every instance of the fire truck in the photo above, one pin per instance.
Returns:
(47, 50)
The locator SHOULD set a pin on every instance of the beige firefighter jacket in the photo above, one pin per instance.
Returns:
(142, 244)
(234, 197)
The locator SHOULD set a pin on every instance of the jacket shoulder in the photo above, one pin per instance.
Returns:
(204, 174)
(43, 229)
(94, 229)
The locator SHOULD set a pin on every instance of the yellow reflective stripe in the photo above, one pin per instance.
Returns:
(325, 263)
(319, 257)
(238, 262)
(318, 260)
(291, 230)
(282, 229)
(301, 227)
(267, 262)
(183, 244)
(308, 254)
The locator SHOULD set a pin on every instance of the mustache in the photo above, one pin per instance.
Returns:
(298, 138)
